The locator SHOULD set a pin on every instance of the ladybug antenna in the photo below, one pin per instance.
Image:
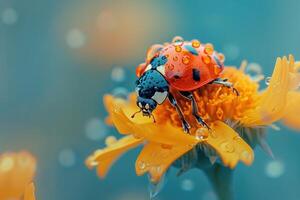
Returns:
(132, 116)
(154, 121)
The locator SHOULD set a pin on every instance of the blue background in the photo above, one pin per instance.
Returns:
(52, 83)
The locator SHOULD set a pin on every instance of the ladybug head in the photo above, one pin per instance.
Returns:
(152, 89)
(146, 105)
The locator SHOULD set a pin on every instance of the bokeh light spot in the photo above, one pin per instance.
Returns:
(120, 92)
(187, 185)
(274, 169)
(67, 158)
(75, 38)
(210, 195)
(6, 164)
(118, 74)
(9, 16)
(96, 129)
(231, 51)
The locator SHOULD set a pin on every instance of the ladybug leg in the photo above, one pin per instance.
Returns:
(191, 97)
(225, 83)
(174, 103)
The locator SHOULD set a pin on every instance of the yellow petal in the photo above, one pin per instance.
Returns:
(229, 145)
(29, 192)
(291, 114)
(156, 159)
(271, 105)
(159, 133)
(104, 158)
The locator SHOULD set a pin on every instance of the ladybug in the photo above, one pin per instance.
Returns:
(181, 66)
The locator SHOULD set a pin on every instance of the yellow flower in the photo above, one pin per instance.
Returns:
(16, 173)
(234, 120)
(29, 192)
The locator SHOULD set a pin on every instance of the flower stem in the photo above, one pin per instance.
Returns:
(221, 180)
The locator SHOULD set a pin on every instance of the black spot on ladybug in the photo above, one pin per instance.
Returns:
(196, 74)
(191, 49)
(176, 76)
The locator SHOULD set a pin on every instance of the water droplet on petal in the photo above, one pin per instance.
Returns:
(268, 80)
(142, 165)
(187, 185)
(155, 188)
(274, 169)
(110, 140)
(227, 147)
(201, 134)
(246, 155)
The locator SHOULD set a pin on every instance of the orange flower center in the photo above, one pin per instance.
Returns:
(215, 102)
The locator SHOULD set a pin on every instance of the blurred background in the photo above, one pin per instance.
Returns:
(58, 58)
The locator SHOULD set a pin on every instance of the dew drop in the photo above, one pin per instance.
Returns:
(227, 147)
(246, 155)
(209, 49)
(268, 80)
(206, 59)
(175, 58)
(177, 39)
(196, 43)
(201, 134)
(185, 59)
(110, 140)
(170, 66)
(142, 165)
(178, 48)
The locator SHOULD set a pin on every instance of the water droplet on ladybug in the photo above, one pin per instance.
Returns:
(221, 57)
(170, 66)
(178, 48)
(209, 49)
(206, 59)
(175, 58)
(177, 39)
(196, 43)
(185, 59)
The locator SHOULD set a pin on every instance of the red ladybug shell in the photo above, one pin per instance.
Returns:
(189, 65)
